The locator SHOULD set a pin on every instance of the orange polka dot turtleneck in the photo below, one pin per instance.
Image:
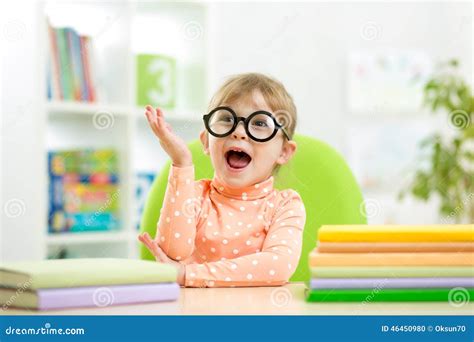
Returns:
(226, 236)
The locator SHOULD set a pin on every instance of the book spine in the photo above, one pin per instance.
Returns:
(73, 65)
(55, 68)
(64, 57)
(80, 72)
(85, 45)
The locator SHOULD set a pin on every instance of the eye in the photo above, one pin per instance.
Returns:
(222, 117)
(260, 123)
(225, 118)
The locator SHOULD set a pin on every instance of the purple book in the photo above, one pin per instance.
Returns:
(98, 296)
(370, 283)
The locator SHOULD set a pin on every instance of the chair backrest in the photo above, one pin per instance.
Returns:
(317, 172)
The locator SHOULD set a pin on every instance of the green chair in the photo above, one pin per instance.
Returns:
(317, 172)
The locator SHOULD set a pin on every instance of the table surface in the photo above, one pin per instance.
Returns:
(281, 300)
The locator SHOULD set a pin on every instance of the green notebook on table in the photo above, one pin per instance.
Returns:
(385, 295)
(61, 273)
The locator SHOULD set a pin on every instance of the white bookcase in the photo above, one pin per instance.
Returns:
(119, 31)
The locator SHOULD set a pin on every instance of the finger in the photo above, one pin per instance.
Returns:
(149, 116)
(162, 254)
(154, 246)
(150, 249)
(146, 240)
(152, 121)
(159, 112)
(150, 109)
(145, 236)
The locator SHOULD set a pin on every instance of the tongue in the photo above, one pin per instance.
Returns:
(238, 160)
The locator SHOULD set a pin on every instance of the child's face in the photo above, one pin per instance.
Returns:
(256, 160)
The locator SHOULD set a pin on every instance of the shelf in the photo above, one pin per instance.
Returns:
(59, 108)
(88, 109)
(116, 121)
(88, 238)
(178, 116)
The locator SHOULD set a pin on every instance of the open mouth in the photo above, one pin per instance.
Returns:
(237, 160)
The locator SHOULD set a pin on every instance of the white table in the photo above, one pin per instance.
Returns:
(282, 300)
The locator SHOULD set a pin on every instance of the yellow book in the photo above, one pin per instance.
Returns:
(396, 233)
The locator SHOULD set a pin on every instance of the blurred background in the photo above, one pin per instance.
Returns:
(387, 84)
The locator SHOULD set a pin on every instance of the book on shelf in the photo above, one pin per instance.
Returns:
(144, 181)
(83, 190)
(69, 71)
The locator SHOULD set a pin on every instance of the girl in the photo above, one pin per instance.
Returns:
(236, 229)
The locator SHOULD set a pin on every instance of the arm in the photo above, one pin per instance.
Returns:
(176, 229)
(274, 265)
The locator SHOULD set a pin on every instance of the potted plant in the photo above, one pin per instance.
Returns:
(450, 160)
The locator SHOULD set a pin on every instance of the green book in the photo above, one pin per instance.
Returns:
(389, 295)
(63, 273)
(390, 271)
(65, 64)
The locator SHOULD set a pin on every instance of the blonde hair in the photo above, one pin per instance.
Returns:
(273, 91)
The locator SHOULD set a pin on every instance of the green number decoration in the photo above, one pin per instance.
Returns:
(156, 80)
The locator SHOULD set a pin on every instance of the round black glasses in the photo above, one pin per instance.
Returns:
(260, 126)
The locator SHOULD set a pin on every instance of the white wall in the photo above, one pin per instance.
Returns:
(305, 45)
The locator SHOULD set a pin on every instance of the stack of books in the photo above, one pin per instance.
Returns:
(69, 73)
(392, 263)
(72, 283)
(83, 190)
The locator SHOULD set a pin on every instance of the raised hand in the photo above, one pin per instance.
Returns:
(173, 145)
(160, 256)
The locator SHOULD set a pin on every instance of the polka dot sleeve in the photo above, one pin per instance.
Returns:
(181, 205)
(273, 265)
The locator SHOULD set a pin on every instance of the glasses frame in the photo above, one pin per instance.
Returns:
(246, 122)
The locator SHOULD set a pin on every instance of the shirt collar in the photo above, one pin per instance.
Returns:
(252, 192)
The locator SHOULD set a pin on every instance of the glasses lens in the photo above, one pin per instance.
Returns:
(261, 126)
(221, 121)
